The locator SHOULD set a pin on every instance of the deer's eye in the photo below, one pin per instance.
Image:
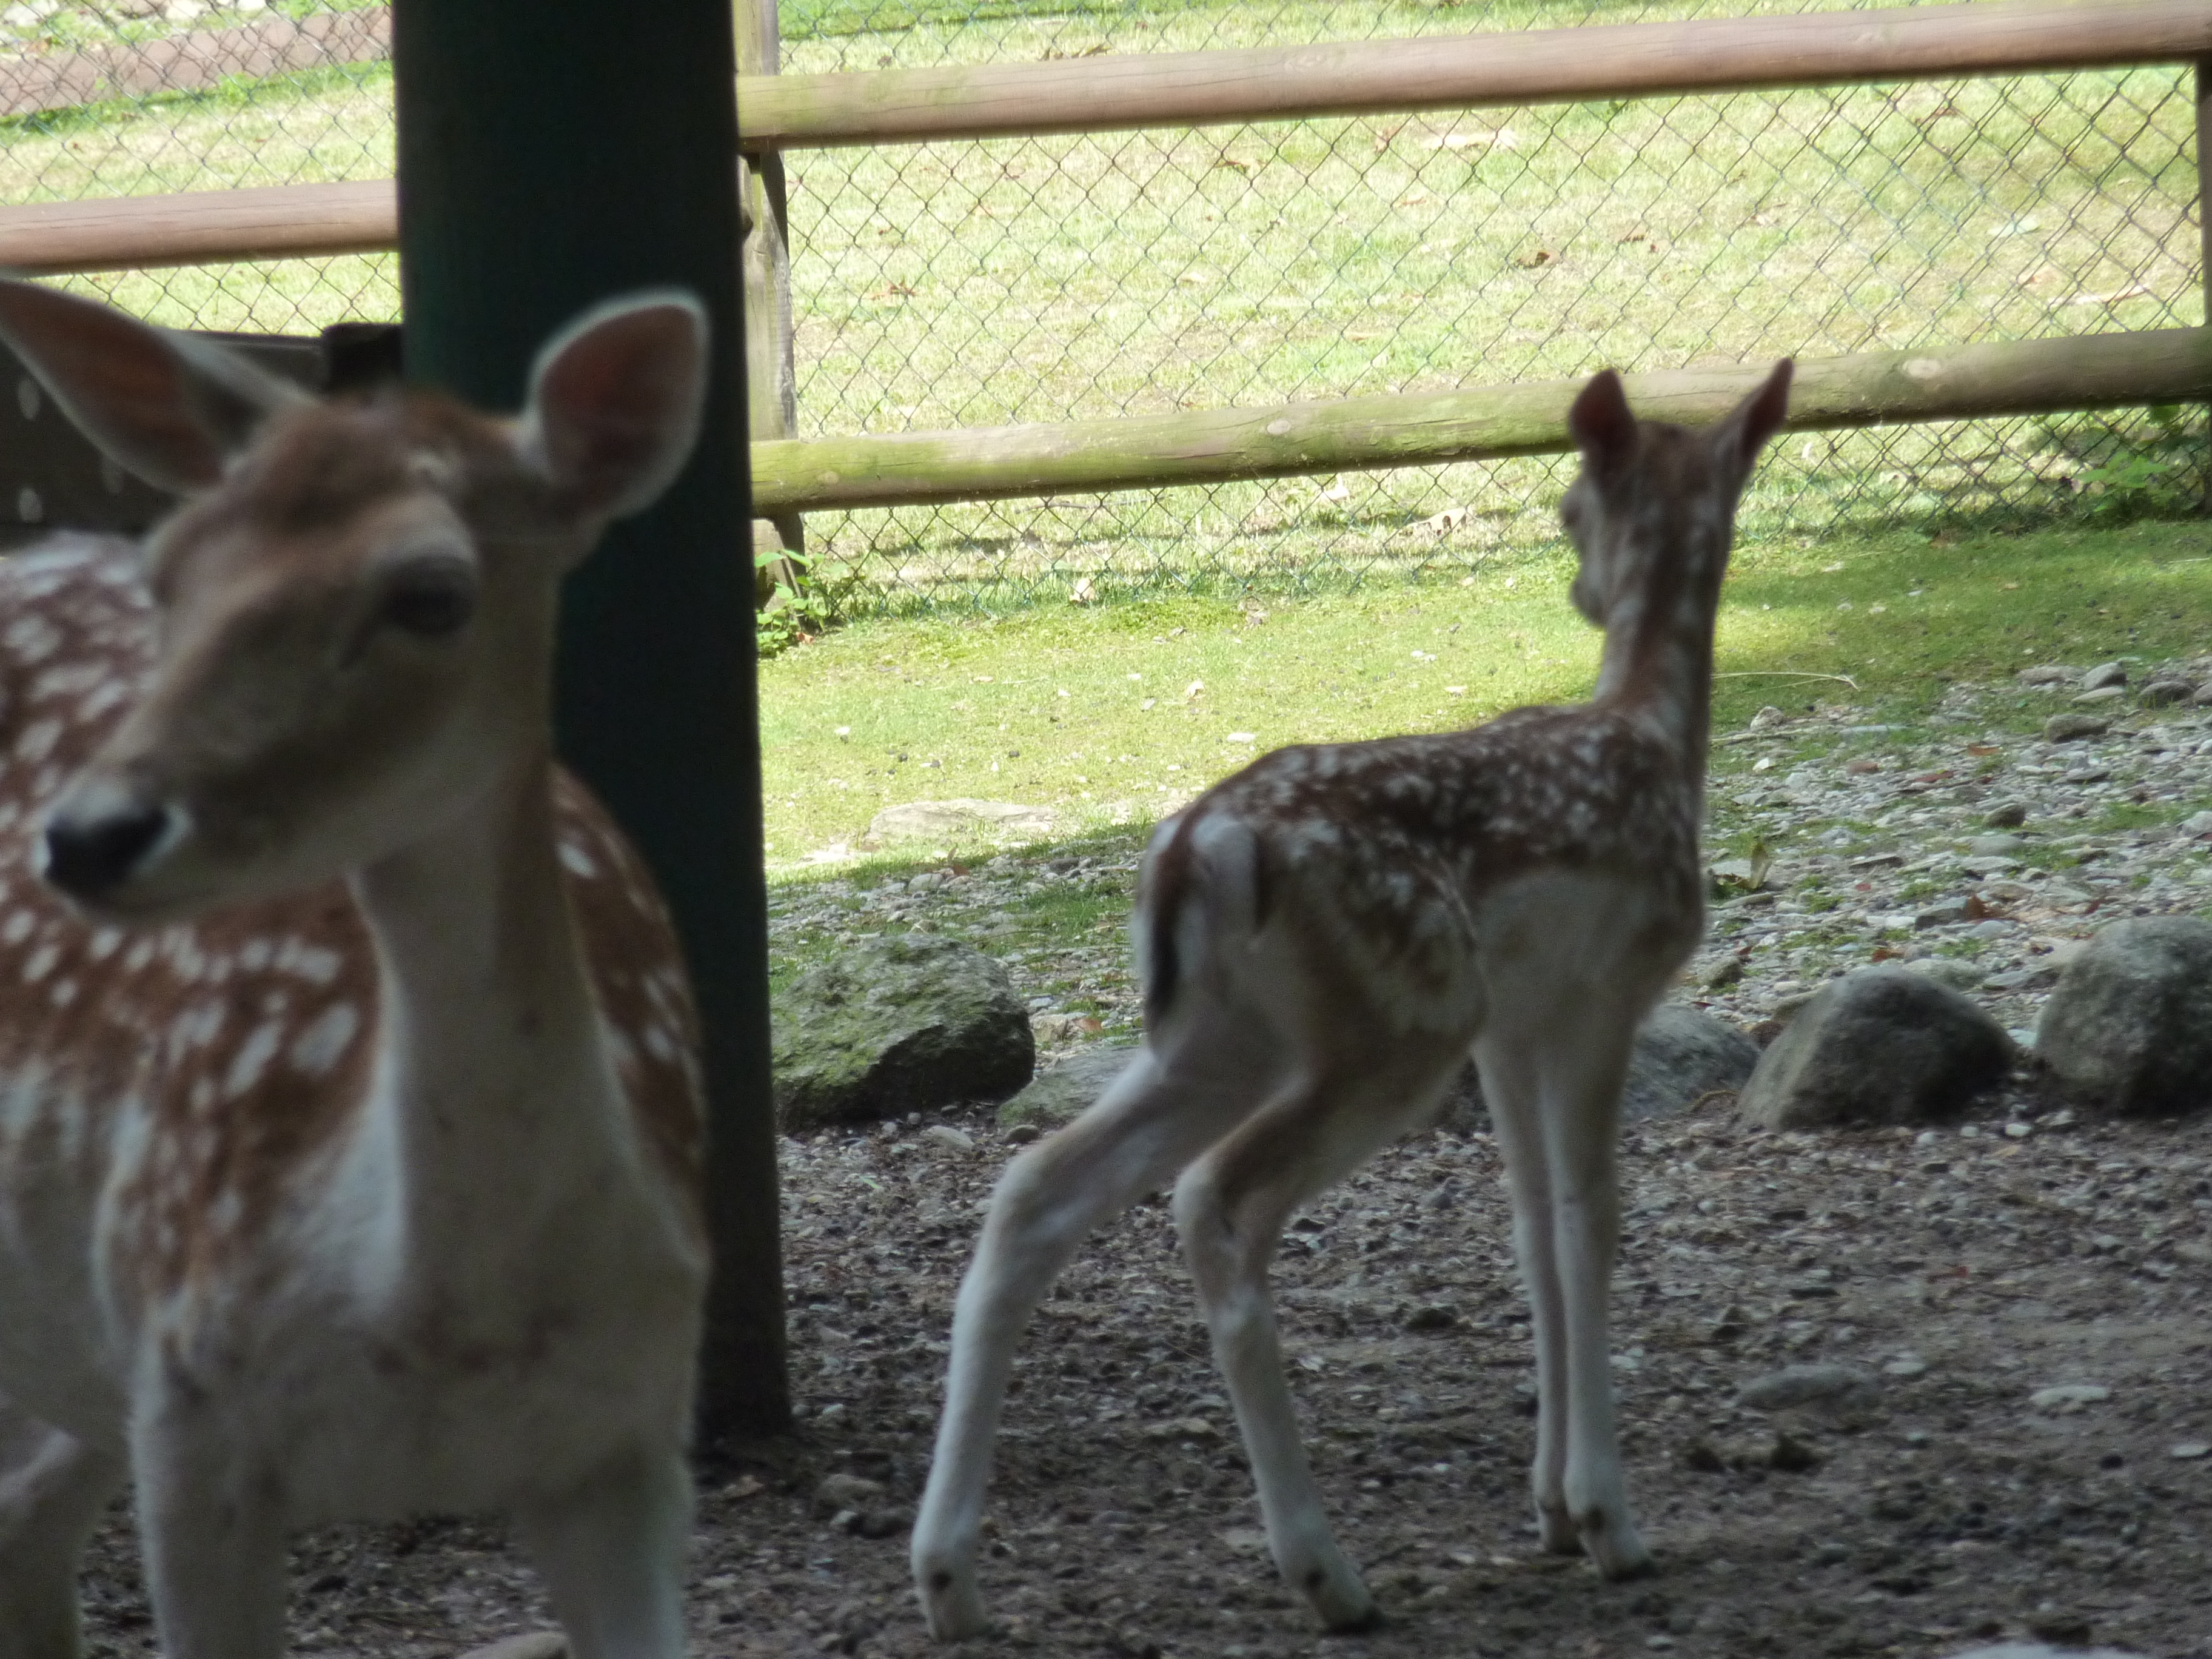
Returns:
(431, 599)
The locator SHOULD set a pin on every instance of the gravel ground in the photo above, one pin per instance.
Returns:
(1965, 1273)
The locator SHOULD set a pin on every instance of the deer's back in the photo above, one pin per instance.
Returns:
(1411, 870)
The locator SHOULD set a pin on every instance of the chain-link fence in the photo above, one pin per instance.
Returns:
(1018, 280)
(1039, 279)
(102, 98)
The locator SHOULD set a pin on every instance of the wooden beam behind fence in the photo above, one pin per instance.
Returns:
(142, 232)
(1516, 67)
(1871, 388)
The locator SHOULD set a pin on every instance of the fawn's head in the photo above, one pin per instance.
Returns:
(1647, 487)
(355, 603)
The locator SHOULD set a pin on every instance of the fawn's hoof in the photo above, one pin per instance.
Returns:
(1557, 1530)
(1613, 1545)
(951, 1604)
(1333, 1587)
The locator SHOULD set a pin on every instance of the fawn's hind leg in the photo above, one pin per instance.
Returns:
(1231, 1208)
(52, 1489)
(1148, 1124)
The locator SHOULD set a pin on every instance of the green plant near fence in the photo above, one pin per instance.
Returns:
(1019, 279)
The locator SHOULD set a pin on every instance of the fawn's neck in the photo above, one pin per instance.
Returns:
(1657, 661)
(492, 1096)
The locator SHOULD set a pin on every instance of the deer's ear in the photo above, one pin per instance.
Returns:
(615, 402)
(1747, 428)
(1600, 424)
(168, 407)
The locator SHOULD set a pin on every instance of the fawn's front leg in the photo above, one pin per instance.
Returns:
(1553, 1088)
(611, 1552)
(52, 1489)
(212, 1531)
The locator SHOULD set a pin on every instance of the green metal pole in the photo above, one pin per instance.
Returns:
(551, 155)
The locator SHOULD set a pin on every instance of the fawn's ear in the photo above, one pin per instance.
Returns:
(615, 401)
(1600, 424)
(168, 407)
(1744, 431)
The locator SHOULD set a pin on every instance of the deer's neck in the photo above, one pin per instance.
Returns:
(1657, 663)
(493, 1100)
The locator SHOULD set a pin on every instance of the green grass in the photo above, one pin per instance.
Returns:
(932, 708)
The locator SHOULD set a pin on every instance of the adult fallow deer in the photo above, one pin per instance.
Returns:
(350, 1122)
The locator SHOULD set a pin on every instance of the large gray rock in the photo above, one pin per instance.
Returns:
(896, 1025)
(2129, 1026)
(1069, 1089)
(1878, 1046)
(1681, 1055)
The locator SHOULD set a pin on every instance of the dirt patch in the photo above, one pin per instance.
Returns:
(1965, 1270)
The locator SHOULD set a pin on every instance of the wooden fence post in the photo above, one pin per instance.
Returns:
(771, 379)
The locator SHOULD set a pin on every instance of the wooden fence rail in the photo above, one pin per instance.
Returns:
(1871, 388)
(1516, 67)
(795, 112)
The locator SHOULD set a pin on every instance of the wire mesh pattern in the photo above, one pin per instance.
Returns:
(1038, 279)
(1018, 280)
(104, 98)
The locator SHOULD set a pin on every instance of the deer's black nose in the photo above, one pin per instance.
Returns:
(90, 856)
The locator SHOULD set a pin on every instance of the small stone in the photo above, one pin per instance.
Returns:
(1022, 1134)
(1791, 1456)
(1945, 912)
(1996, 846)
(2066, 728)
(1069, 1089)
(537, 1644)
(1436, 1316)
(2067, 1397)
(1954, 972)
(2161, 692)
(850, 1494)
(2006, 815)
(2105, 674)
(2049, 673)
(1905, 1364)
(2103, 695)
(2197, 824)
(1701, 1454)
(1182, 1428)
(1727, 970)
(885, 1523)
(958, 1141)
(2188, 1451)
(2203, 695)
(1826, 1385)
(2070, 1628)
